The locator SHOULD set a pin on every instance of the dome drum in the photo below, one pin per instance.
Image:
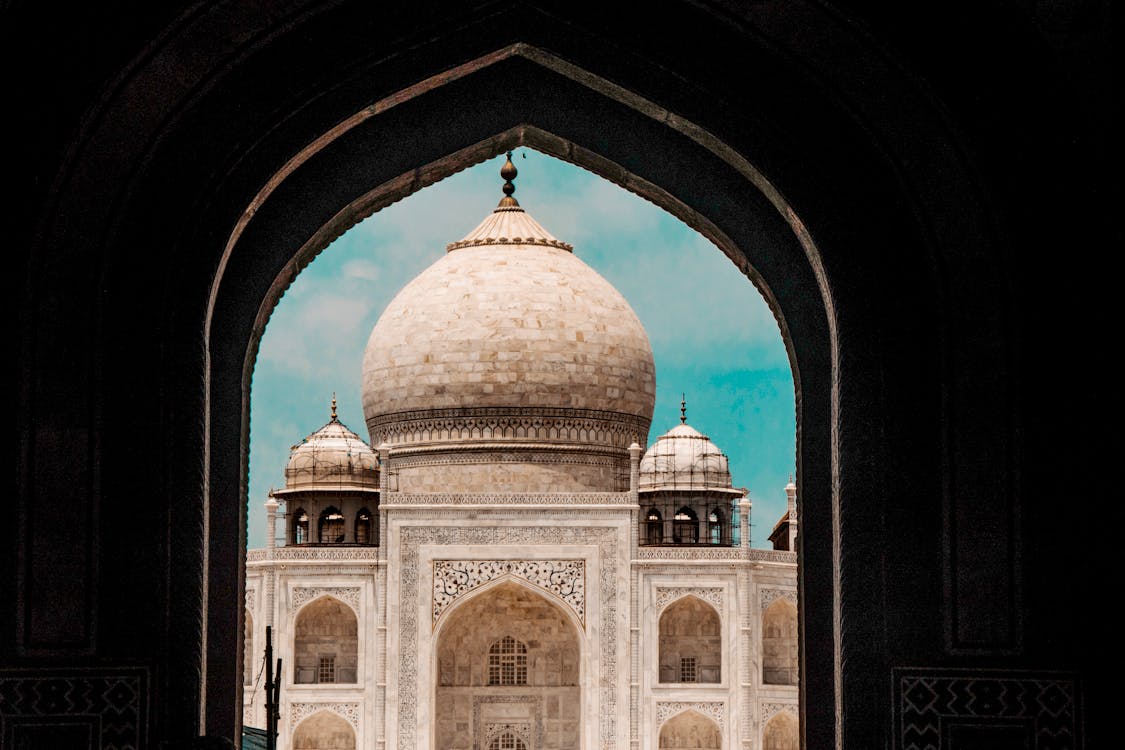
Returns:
(515, 467)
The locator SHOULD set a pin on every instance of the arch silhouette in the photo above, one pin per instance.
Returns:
(786, 248)
(908, 258)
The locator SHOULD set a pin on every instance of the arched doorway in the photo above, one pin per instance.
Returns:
(780, 644)
(781, 733)
(324, 730)
(325, 643)
(691, 730)
(508, 656)
(690, 642)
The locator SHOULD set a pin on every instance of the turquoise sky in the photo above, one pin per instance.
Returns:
(712, 334)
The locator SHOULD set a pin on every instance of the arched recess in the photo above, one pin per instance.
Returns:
(330, 526)
(542, 632)
(248, 660)
(691, 642)
(325, 643)
(324, 730)
(780, 647)
(770, 234)
(781, 732)
(691, 729)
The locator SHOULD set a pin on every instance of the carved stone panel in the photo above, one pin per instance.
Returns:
(565, 579)
(938, 708)
(106, 710)
(305, 594)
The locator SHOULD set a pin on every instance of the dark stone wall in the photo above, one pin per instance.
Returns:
(922, 193)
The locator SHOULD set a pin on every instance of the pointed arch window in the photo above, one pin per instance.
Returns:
(685, 526)
(301, 527)
(330, 529)
(715, 526)
(507, 662)
(654, 527)
(363, 527)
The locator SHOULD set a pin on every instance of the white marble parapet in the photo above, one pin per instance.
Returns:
(434, 499)
(647, 554)
(314, 553)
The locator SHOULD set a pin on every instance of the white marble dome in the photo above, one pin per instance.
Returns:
(509, 341)
(508, 323)
(332, 457)
(684, 459)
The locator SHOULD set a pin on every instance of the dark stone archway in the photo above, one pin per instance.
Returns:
(934, 443)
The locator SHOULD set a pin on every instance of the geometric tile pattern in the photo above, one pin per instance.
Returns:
(939, 708)
(108, 706)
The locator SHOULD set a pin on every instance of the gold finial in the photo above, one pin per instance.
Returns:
(334, 419)
(683, 408)
(508, 172)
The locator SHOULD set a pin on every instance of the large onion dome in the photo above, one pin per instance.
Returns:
(508, 365)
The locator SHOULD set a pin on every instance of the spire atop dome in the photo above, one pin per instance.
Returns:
(509, 172)
(509, 224)
(334, 418)
(683, 408)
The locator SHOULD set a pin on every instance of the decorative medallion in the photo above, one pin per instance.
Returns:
(566, 579)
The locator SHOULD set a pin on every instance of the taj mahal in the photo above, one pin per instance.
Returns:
(502, 564)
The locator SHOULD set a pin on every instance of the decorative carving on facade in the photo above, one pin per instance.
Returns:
(519, 729)
(689, 553)
(566, 579)
(546, 498)
(770, 709)
(112, 704)
(412, 537)
(314, 553)
(492, 453)
(714, 710)
(928, 702)
(508, 423)
(713, 595)
(769, 596)
(298, 712)
(304, 594)
(491, 729)
(251, 598)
